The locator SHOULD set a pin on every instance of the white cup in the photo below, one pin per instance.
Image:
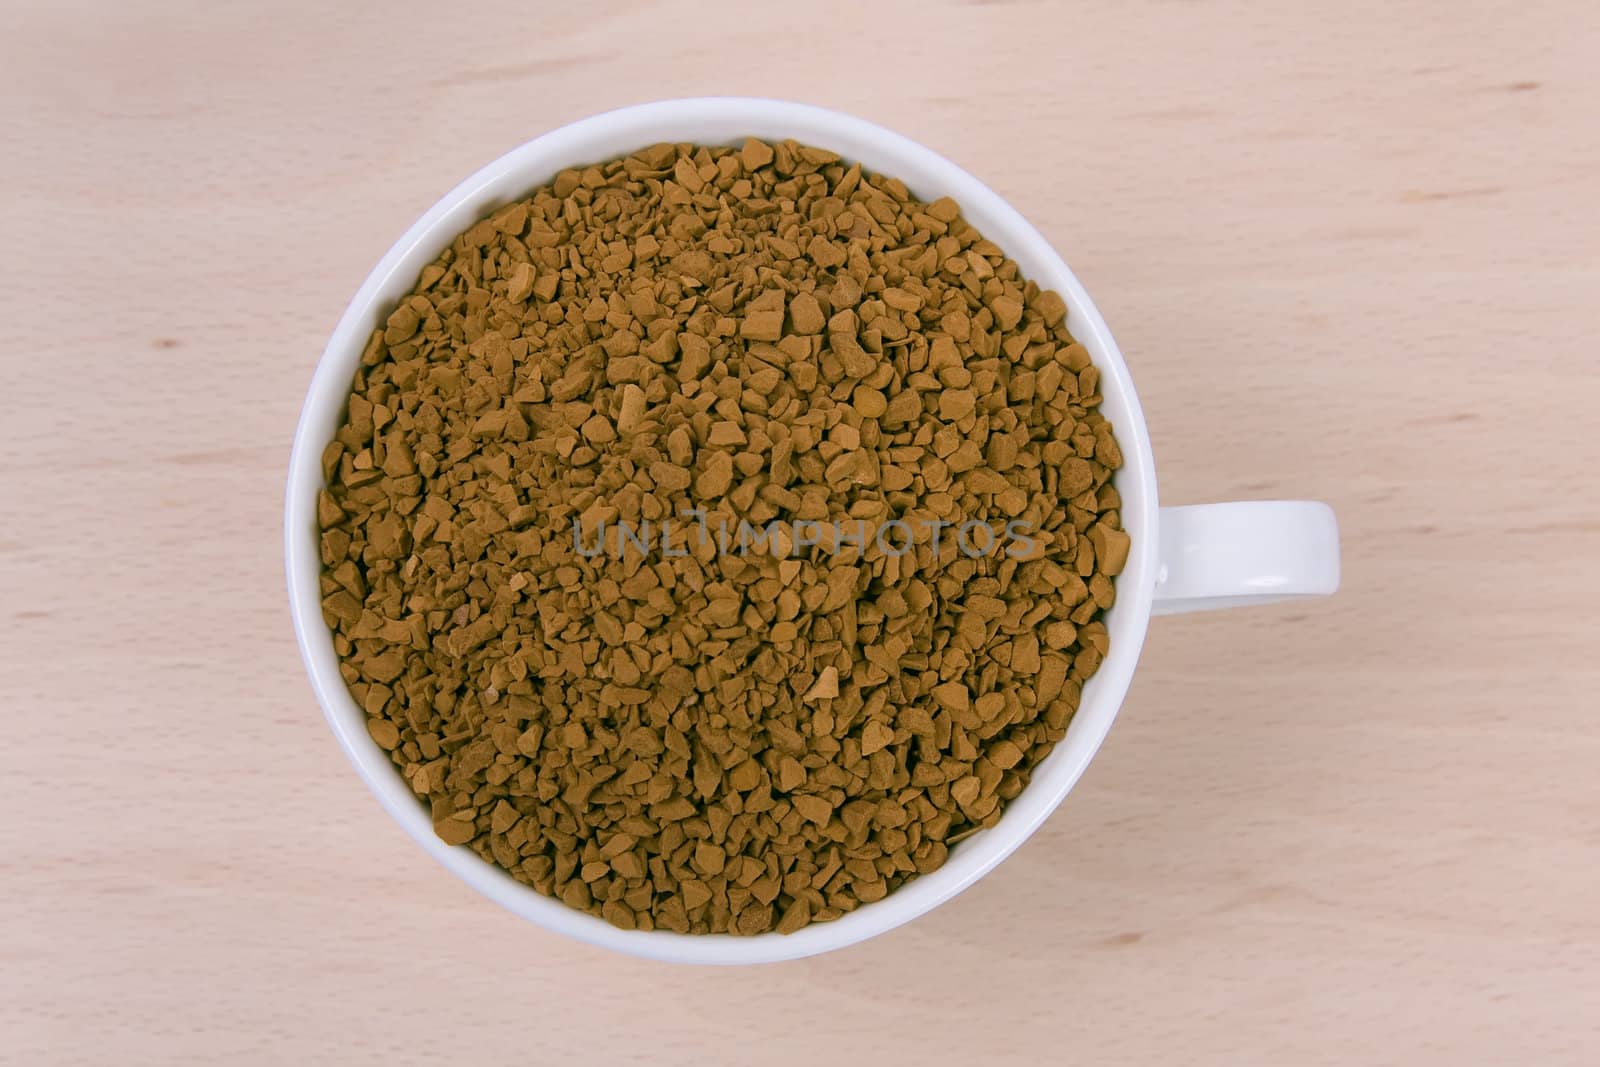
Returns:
(1182, 559)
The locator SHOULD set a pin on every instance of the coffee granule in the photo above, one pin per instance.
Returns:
(530, 582)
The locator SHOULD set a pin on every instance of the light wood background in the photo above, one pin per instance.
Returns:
(1351, 253)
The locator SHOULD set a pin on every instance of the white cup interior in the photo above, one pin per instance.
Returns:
(722, 121)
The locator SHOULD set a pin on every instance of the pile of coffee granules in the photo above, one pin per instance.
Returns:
(693, 732)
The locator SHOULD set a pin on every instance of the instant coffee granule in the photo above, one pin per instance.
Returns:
(537, 572)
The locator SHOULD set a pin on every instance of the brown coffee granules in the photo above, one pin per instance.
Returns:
(534, 589)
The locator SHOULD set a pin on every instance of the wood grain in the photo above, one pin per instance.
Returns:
(1351, 252)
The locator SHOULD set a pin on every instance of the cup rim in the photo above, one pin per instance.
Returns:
(722, 120)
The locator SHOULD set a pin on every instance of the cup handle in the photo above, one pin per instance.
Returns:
(1246, 552)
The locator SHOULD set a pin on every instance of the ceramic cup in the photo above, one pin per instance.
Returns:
(1182, 559)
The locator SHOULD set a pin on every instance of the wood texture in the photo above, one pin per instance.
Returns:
(1351, 253)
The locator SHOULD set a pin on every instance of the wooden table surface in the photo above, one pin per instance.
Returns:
(1351, 253)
